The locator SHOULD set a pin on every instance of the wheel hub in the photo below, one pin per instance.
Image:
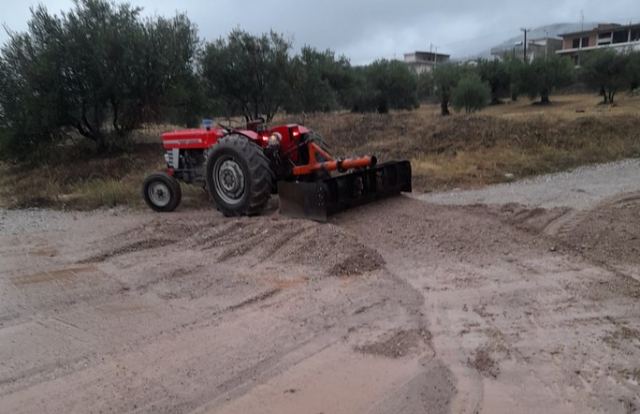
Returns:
(229, 180)
(159, 194)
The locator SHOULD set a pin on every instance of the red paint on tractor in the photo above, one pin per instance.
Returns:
(192, 138)
(288, 159)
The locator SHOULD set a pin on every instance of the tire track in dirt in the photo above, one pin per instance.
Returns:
(515, 277)
(134, 247)
(398, 306)
(287, 300)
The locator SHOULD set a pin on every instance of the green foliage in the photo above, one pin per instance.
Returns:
(498, 76)
(471, 94)
(542, 76)
(515, 68)
(251, 74)
(445, 78)
(168, 86)
(32, 100)
(97, 69)
(321, 82)
(606, 71)
(633, 70)
(385, 85)
(426, 86)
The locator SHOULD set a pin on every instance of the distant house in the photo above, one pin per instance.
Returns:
(604, 36)
(421, 62)
(536, 48)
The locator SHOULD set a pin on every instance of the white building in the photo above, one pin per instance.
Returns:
(421, 62)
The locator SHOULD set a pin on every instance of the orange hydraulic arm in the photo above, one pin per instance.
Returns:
(330, 164)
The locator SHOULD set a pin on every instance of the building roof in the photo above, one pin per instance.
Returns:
(418, 52)
(603, 27)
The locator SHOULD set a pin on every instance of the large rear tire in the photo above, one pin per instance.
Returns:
(161, 192)
(239, 176)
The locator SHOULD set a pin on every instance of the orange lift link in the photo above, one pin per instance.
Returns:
(329, 164)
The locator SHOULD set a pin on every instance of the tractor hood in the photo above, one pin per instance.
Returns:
(191, 138)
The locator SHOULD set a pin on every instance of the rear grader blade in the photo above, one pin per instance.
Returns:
(317, 200)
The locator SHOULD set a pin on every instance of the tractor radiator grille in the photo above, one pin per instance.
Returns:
(172, 157)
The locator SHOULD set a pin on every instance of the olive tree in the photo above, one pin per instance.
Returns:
(445, 78)
(321, 82)
(425, 86)
(545, 74)
(251, 74)
(515, 68)
(633, 70)
(496, 74)
(385, 85)
(606, 71)
(98, 70)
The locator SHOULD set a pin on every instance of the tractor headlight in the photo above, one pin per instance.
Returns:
(274, 139)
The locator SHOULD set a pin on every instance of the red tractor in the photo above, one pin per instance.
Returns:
(242, 168)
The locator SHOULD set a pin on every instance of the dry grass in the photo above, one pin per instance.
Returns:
(501, 143)
(78, 183)
(86, 184)
(568, 107)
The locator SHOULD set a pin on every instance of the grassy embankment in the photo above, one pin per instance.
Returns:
(501, 143)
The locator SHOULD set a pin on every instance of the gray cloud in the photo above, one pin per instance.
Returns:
(365, 30)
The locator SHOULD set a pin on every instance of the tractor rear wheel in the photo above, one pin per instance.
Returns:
(239, 176)
(161, 192)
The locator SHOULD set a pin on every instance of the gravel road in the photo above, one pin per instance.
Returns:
(403, 306)
(581, 188)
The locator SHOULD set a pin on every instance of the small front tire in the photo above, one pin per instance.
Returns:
(161, 192)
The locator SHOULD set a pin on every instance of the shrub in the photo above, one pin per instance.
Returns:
(471, 94)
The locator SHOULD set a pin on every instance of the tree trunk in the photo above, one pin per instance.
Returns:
(444, 107)
(544, 98)
(605, 97)
(495, 96)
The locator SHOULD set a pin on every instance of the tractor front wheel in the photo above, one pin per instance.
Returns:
(239, 176)
(161, 192)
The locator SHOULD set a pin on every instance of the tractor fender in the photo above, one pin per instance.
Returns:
(251, 135)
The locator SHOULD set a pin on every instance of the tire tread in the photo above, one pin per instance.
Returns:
(260, 173)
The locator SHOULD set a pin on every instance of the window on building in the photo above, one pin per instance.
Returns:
(585, 41)
(621, 36)
(576, 43)
(635, 35)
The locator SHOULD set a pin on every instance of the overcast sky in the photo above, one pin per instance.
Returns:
(365, 30)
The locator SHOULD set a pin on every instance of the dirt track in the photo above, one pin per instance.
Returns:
(398, 307)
